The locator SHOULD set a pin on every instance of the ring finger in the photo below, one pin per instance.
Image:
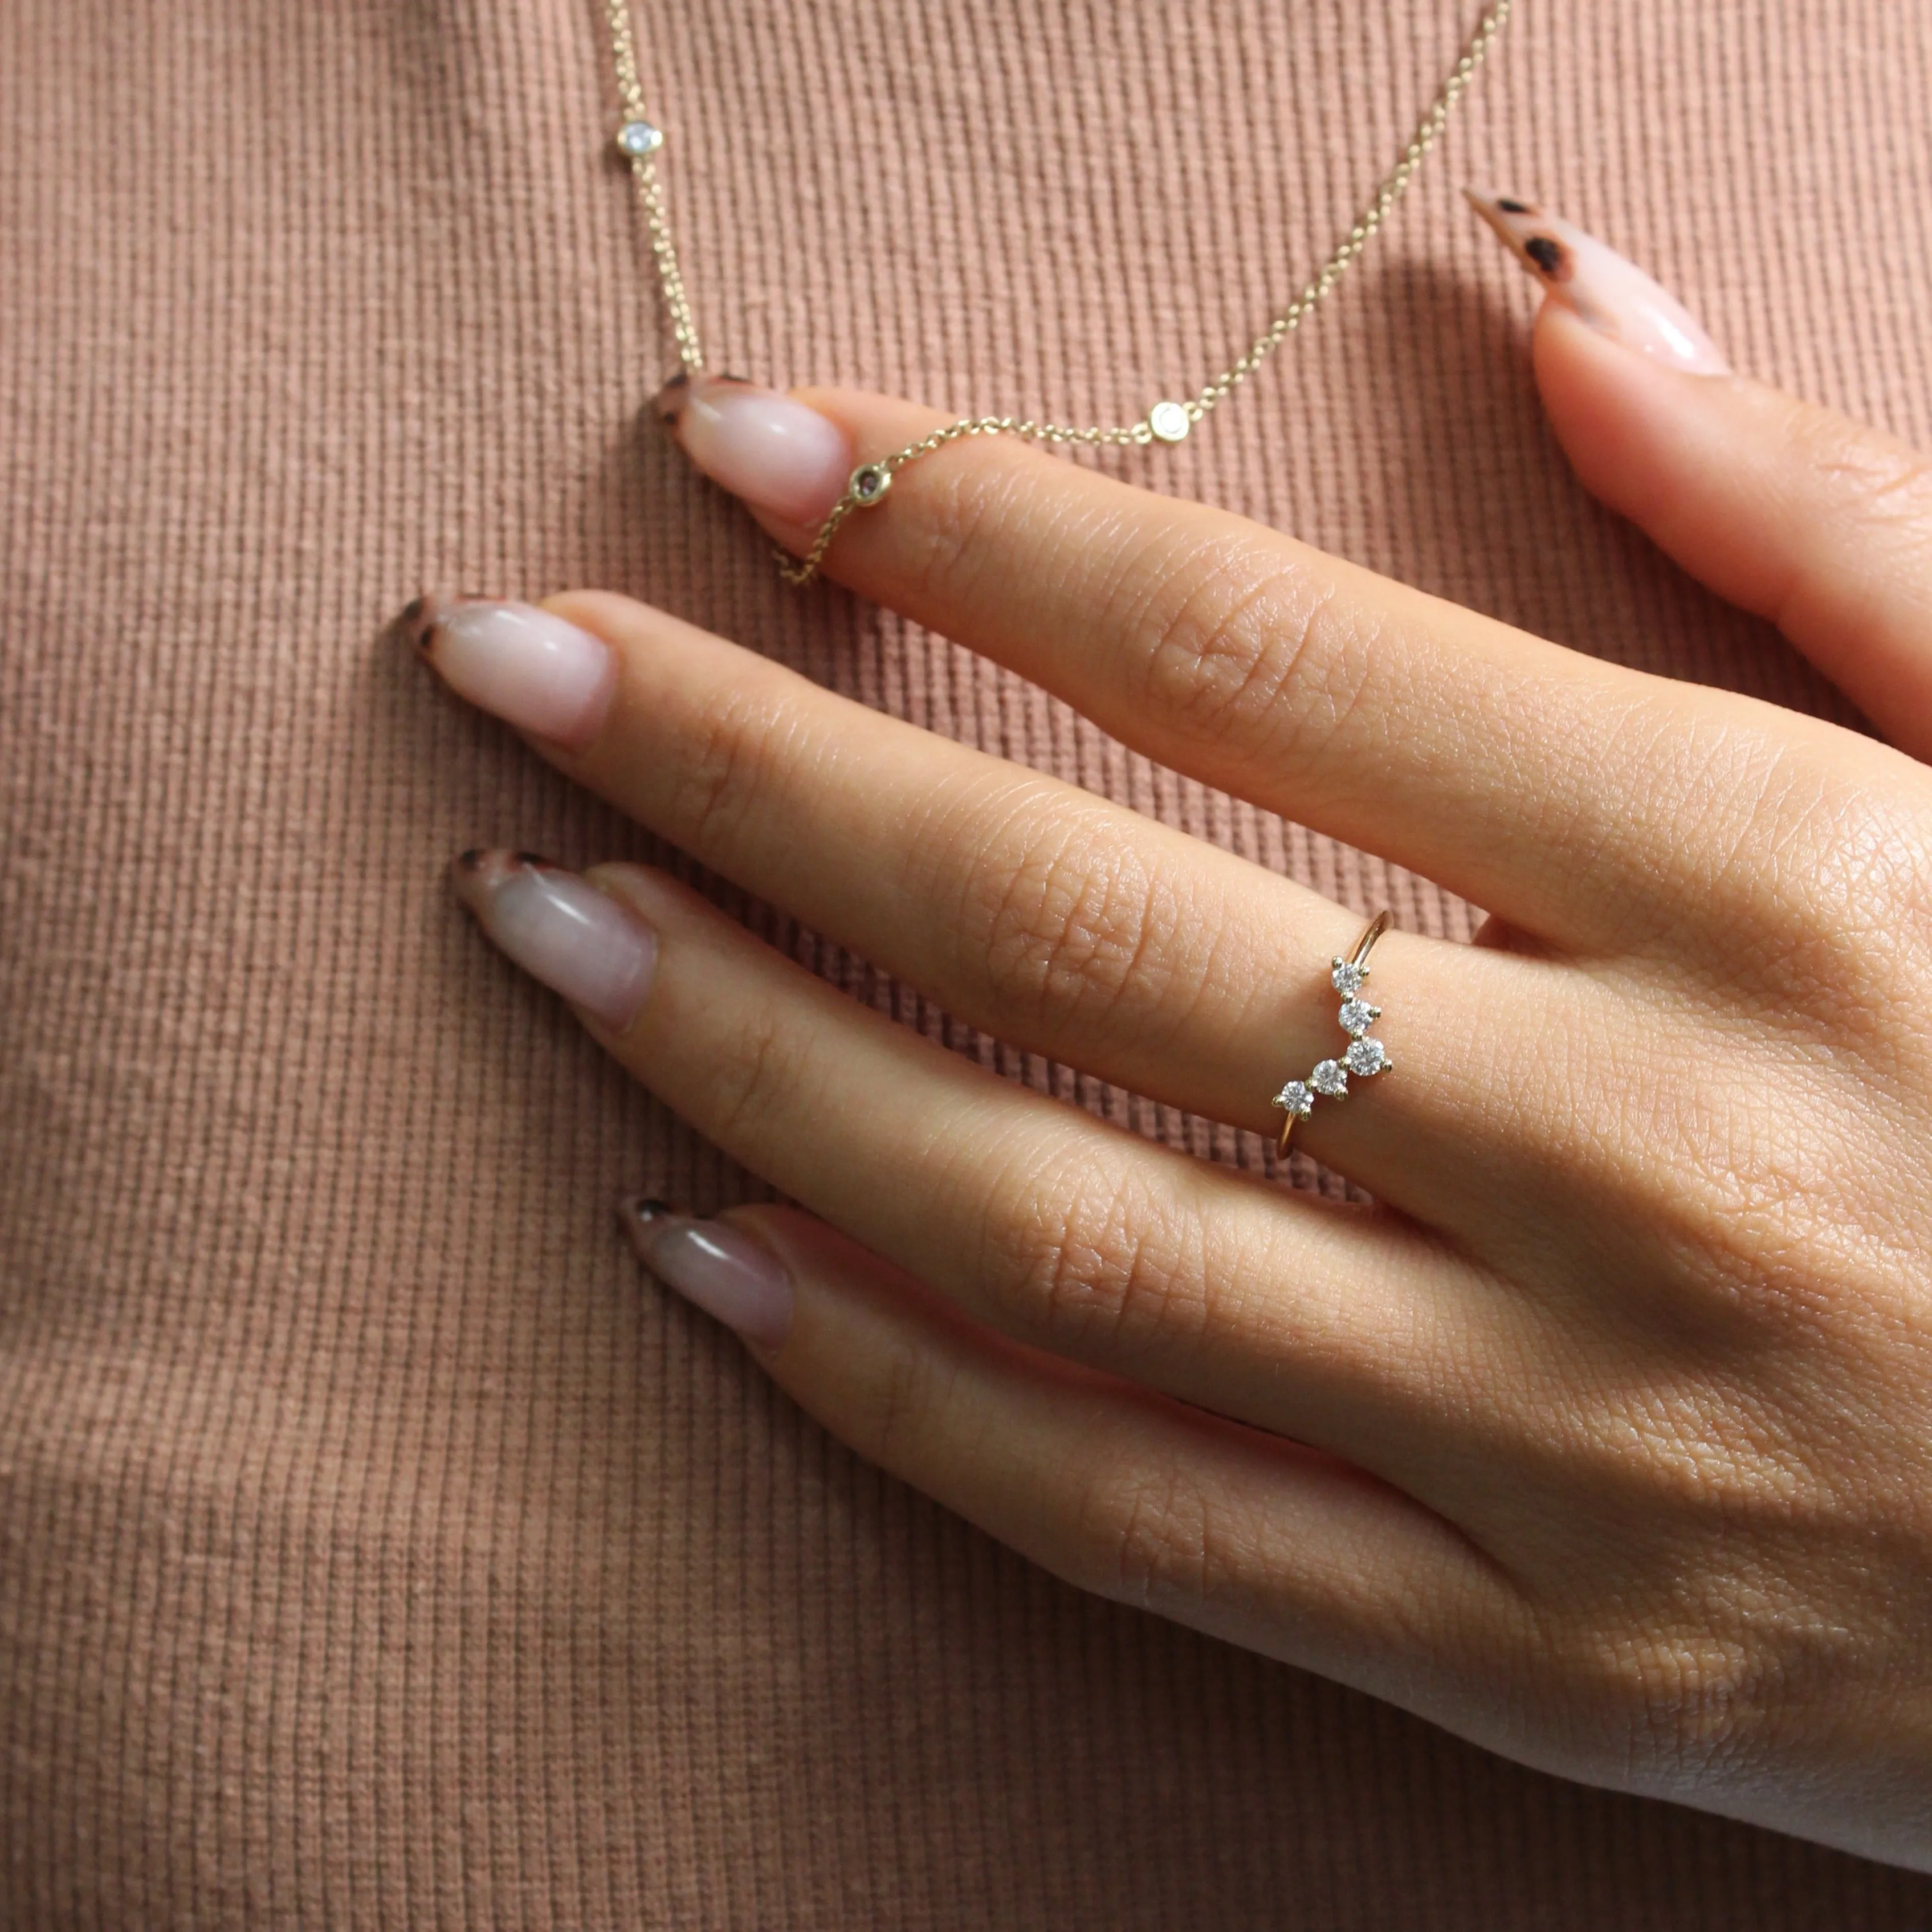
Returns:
(1065, 924)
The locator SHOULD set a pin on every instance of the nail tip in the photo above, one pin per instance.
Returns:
(668, 403)
(477, 871)
(641, 1216)
(642, 1207)
(684, 388)
(420, 618)
(466, 879)
(1497, 212)
(493, 864)
(1505, 200)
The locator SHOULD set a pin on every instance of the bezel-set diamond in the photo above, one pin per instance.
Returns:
(1170, 422)
(869, 482)
(637, 139)
(1364, 1057)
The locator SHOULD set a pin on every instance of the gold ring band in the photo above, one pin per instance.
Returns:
(1363, 1057)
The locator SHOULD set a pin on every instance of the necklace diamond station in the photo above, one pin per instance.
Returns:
(640, 139)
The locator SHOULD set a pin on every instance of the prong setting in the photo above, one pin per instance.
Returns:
(1364, 1057)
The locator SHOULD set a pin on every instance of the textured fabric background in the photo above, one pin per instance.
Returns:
(375, 1548)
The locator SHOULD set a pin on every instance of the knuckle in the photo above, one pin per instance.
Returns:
(1241, 645)
(1877, 480)
(755, 1070)
(1674, 1704)
(1813, 885)
(1149, 1536)
(891, 1412)
(1869, 900)
(1094, 1262)
(956, 543)
(733, 750)
(1068, 919)
(1846, 861)
(1709, 1675)
(1708, 1616)
(1736, 1235)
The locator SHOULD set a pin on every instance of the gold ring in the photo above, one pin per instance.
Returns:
(1363, 1056)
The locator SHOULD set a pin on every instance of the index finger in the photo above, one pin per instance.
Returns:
(1547, 787)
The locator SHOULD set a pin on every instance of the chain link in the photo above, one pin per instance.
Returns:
(650, 191)
(870, 481)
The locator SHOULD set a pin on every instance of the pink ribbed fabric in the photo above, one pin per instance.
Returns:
(375, 1548)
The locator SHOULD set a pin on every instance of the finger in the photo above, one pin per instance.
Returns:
(1343, 1328)
(1524, 776)
(1800, 515)
(1063, 923)
(1110, 1487)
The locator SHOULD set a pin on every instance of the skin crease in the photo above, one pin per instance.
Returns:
(1605, 1438)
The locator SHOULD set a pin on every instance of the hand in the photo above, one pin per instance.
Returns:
(1603, 1438)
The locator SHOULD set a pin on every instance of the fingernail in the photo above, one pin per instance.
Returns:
(772, 451)
(562, 930)
(521, 664)
(721, 1269)
(1613, 296)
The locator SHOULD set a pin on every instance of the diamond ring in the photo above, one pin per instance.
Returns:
(1363, 1056)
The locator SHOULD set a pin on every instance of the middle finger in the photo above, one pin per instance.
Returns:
(1547, 787)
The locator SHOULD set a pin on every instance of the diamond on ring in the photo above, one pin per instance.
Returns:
(1366, 1056)
(1363, 1057)
(1298, 1097)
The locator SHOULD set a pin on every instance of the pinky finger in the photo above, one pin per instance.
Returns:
(1114, 1487)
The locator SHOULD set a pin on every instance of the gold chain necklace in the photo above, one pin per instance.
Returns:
(639, 139)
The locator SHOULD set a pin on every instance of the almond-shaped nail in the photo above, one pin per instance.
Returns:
(562, 930)
(521, 664)
(774, 452)
(718, 1267)
(1613, 296)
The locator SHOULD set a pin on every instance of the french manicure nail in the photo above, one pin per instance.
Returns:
(1613, 296)
(562, 930)
(718, 1267)
(763, 446)
(521, 664)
